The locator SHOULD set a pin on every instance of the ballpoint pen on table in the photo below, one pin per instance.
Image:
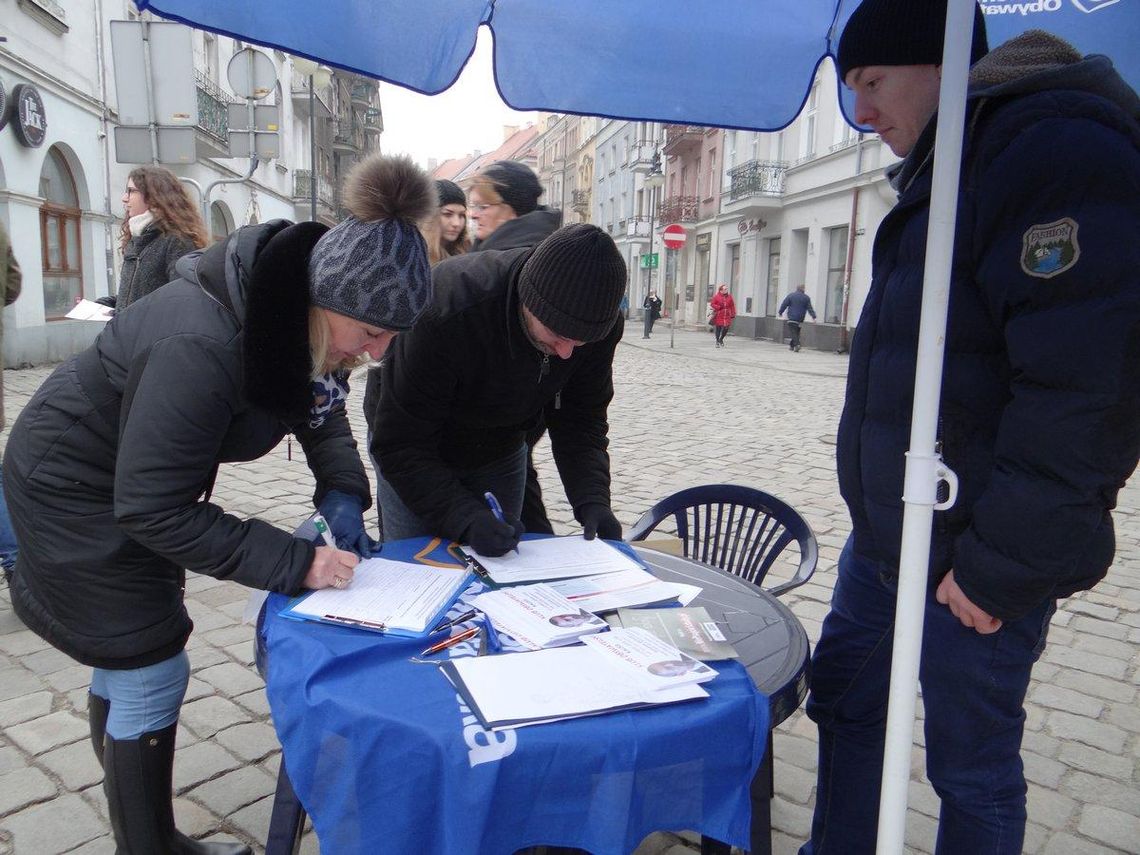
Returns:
(447, 624)
(497, 510)
(491, 636)
(451, 641)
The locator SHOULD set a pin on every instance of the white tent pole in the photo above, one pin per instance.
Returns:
(924, 468)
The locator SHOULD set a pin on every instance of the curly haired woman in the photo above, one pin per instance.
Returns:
(161, 226)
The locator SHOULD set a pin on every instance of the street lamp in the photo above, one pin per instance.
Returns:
(653, 179)
(318, 76)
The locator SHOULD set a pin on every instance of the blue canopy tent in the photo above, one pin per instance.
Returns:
(723, 63)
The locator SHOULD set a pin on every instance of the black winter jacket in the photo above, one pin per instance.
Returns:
(148, 263)
(528, 230)
(107, 465)
(1040, 404)
(465, 385)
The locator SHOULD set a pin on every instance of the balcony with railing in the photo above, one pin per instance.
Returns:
(641, 155)
(322, 96)
(682, 139)
(373, 121)
(213, 109)
(757, 178)
(679, 209)
(303, 187)
(363, 94)
(348, 135)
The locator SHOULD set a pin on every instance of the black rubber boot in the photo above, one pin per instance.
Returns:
(137, 780)
(97, 710)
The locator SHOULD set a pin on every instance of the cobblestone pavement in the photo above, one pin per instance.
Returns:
(752, 413)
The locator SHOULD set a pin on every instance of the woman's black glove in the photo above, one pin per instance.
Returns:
(598, 521)
(487, 536)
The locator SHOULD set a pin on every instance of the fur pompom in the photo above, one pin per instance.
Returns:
(382, 187)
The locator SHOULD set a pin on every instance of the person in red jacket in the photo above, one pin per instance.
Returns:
(724, 310)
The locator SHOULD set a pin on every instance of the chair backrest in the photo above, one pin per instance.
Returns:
(738, 529)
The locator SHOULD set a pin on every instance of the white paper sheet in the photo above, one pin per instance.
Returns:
(608, 591)
(89, 310)
(554, 558)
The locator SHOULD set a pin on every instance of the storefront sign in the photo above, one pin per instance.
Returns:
(30, 119)
(751, 226)
(704, 242)
(3, 105)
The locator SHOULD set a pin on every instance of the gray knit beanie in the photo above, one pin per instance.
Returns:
(373, 266)
(901, 32)
(574, 281)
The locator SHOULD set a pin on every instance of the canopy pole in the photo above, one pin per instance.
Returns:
(923, 471)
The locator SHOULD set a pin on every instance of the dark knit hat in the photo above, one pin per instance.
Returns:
(516, 183)
(901, 32)
(373, 266)
(450, 193)
(574, 281)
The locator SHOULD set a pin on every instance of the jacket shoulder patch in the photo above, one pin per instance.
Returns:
(1049, 249)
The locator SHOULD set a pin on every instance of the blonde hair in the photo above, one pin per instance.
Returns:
(319, 336)
(438, 248)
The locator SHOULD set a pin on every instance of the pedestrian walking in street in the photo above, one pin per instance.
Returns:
(724, 310)
(1040, 410)
(798, 306)
(110, 466)
(10, 281)
(652, 306)
(512, 335)
(162, 224)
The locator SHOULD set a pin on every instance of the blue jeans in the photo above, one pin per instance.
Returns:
(143, 699)
(505, 477)
(973, 688)
(8, 547)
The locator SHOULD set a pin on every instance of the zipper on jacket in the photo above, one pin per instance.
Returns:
(558, 400)
(544, 366)
(943, 491)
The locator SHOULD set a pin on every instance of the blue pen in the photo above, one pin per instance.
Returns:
(491, 636)
(496, 509)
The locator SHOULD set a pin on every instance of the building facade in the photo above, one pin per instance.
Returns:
(61, 183)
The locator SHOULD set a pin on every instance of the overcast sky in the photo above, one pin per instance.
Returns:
(467, 117)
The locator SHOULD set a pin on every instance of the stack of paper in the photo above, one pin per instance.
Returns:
(608, 591)
(690, 630)
(520, 689)
(552, 558)
(646, 658)
(386, 596)
(537, 616)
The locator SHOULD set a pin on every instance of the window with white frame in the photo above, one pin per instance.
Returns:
(836, 265)
(773, 289)
(810, 119)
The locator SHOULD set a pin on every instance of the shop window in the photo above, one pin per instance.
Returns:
(60, 240)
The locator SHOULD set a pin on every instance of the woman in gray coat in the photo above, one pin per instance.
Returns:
(161, 226)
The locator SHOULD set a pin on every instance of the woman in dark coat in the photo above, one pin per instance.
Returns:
(161, 226)
(109, 468)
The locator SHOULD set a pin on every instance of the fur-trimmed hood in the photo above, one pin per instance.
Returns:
(260, 274)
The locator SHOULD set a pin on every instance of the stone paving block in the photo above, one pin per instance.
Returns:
(18, 681)
(21, 643)
(1050, 808)
(192, 819)
(794, 783)
(53, 827)
(1081, 660)
(228, 635)
(1109, 647)
(1096, 686)
(46, 661)
(1105, 628)
(1109, 826)
(48, 732)
(251, 742)
(234, 790)
(229, 678)
(202, 762)
(75, 765)
(242, 654)
(99, 846)
(10, 758)
(207, 716)
(1081, 606)
(252, 821)
(1064, 843)
(791, 818)
(25, 707)
(920, 833)
(1067, 700)
(1106, 737)
(1098, 762)
(255, 702)
(22, 787)
(1044, 771)
(1124, 716)
(1091, 788)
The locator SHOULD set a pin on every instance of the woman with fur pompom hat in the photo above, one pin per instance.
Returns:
(109, 468)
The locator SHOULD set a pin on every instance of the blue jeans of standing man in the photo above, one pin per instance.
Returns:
(973, 688)
(505, 477)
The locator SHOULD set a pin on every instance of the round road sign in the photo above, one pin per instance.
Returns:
(674, 236)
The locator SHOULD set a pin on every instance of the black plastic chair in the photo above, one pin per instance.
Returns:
(741, 530)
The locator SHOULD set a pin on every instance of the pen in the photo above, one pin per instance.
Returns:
(447, 624)
(451, 641)
(496, 509)
(323, 530)
(347, 621)
(491, 635)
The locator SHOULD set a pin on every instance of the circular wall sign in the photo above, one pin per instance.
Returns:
(30, 119)
(3, 105)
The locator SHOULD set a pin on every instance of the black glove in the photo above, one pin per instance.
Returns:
(598, 520)
(345, 515)
(487, 536)
(109, 300)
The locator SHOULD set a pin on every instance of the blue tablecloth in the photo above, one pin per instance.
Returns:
(385, 756)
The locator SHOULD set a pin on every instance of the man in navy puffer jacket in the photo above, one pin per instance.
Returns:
(1039, 418)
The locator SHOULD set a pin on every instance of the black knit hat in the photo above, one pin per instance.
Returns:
(516, 183)
(574, 281)
(450, 193)
(901, 32)
(373, 266)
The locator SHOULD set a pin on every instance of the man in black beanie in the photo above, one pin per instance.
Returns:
(1039, 411)
(509, 333)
